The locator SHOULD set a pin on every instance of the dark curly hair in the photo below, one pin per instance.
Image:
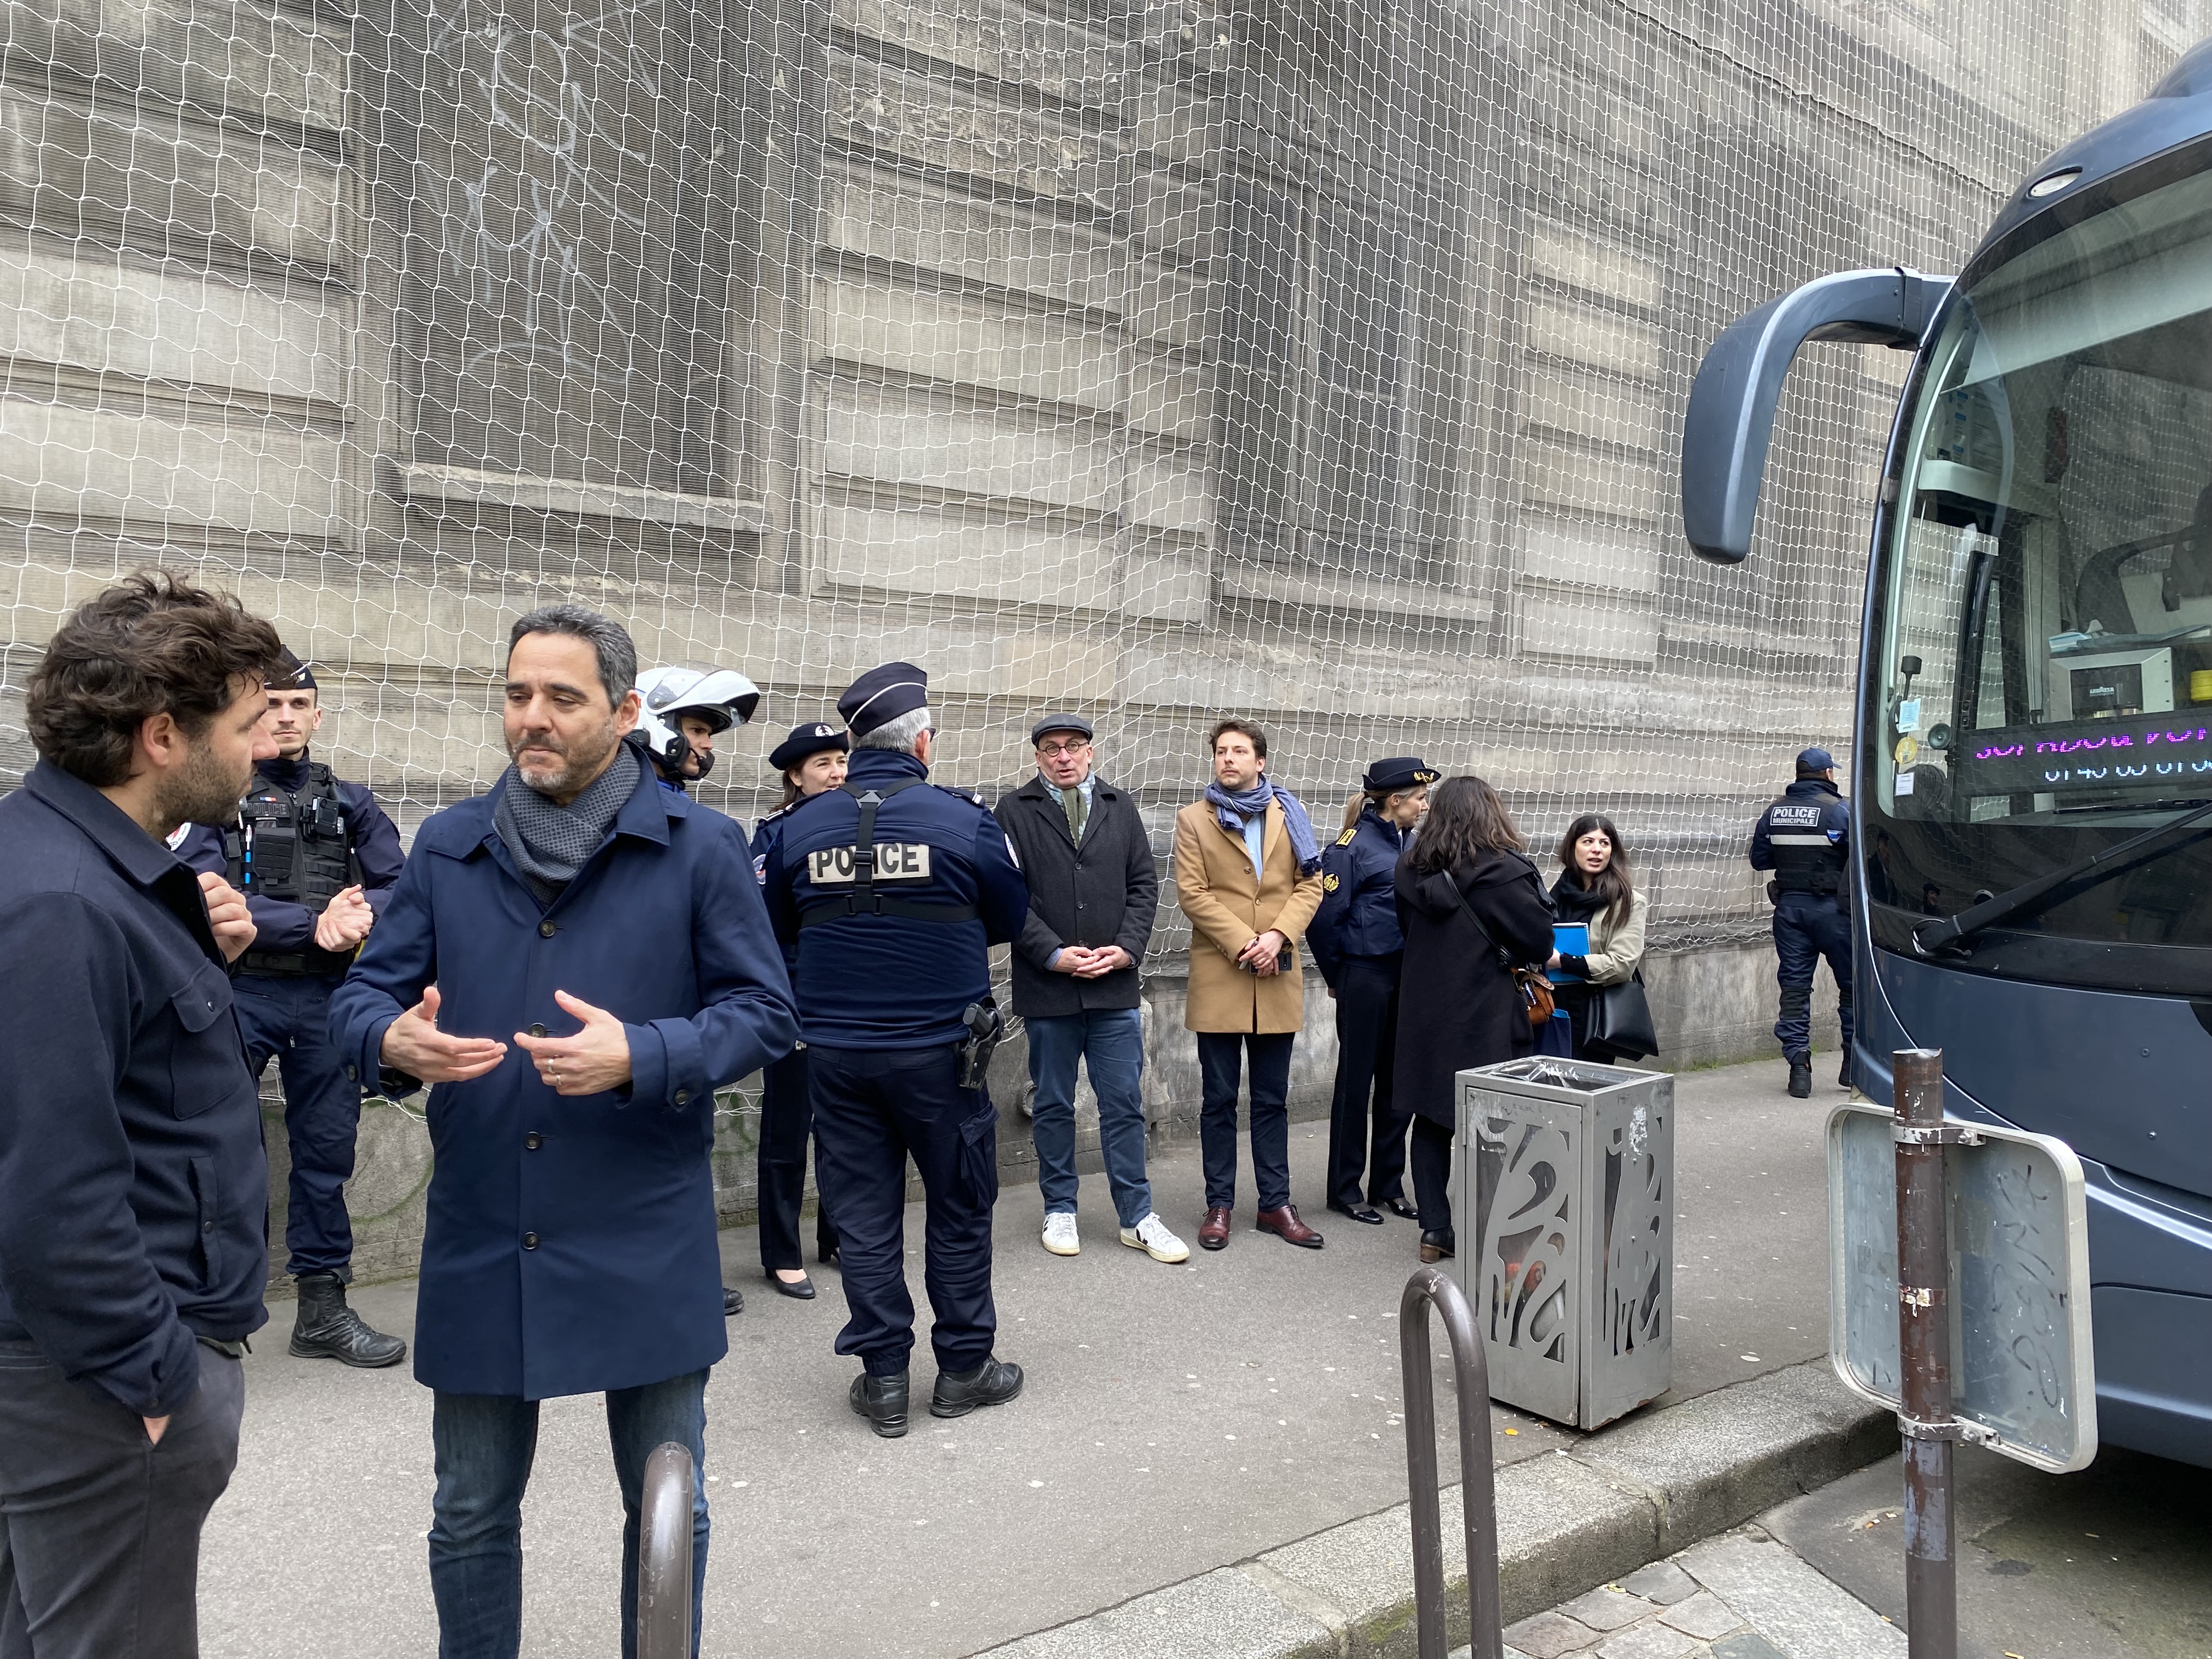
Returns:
(155, 643)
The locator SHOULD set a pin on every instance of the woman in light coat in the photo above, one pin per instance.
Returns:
(1597, 886)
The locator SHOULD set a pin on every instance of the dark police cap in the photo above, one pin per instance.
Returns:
(1812, 762)
(290, 674)
(1398, 772)
(1074, 723)
(811, 739)
(882, 694)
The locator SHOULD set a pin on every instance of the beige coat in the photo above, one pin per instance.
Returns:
(1615, 952)
(1228, 909)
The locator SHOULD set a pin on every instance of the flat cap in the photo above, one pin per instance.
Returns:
(1074, 723)
(1398, 772)
(810, 739)
(882, 694)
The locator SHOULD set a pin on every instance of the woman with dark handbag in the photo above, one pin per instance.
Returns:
(1602, 989)
(1477, 924)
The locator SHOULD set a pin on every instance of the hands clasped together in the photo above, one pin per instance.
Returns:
(1087, 961)
(589, 1062)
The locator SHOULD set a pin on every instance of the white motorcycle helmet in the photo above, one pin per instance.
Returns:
(720, 696)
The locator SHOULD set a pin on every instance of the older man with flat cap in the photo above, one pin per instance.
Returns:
(893, 890)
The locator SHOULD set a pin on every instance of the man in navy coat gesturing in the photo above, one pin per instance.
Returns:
(575, 961)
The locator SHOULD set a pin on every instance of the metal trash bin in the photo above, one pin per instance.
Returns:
(1570, 1165)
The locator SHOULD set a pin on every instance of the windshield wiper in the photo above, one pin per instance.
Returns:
(1933, 936)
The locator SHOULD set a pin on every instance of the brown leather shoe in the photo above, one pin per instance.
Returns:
(1286, 1225)
(1213, 1231)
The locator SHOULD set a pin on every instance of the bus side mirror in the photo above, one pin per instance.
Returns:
(1731, 416)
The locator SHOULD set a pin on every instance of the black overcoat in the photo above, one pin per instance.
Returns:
(1458, 1005)
(1107, 893)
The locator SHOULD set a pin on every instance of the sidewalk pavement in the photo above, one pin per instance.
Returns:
(1226, 1427)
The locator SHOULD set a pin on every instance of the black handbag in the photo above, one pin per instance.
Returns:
(1620, 1020)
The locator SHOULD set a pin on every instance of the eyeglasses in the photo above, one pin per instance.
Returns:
(1055, 750)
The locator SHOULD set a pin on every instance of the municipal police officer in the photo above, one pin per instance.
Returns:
(1805, 839)
(893, 892)
(1355, 943)
(316, 859)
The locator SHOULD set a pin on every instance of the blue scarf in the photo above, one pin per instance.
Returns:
(1233, 809)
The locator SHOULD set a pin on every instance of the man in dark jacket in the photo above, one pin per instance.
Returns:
(1804, 838)
(316, 858)
(611, 932)
(132, 1182)
(1093, 893)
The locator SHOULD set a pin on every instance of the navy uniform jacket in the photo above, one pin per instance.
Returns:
(1358, 914)
(281, 926)
(766, 833)
(570, 1242)
(133, 1187)
(1805, 834)
(887, 981)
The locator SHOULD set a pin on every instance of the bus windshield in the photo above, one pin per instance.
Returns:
(2041, 686)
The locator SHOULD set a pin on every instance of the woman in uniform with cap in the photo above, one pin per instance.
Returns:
(812, 760)
(1357, 944)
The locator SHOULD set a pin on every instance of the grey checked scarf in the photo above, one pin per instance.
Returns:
(549, 843)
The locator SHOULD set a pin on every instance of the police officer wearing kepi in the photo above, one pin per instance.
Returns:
(893, 892)
(316, 859)
(1805, 839)
(681, 711)
(1355, 943)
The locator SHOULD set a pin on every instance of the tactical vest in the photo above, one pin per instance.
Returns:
(297, 849)
(1805, 859)
(860, 868)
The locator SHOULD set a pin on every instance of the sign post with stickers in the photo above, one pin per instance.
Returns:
(1958, 1299)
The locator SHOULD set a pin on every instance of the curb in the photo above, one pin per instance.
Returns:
(1568, 1521)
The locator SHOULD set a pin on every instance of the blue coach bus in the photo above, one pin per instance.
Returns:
(2031, 800)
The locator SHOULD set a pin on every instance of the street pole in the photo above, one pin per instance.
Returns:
(1923, 1338)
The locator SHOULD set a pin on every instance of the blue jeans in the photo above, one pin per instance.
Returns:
(1111, 1042)
(484, 1445)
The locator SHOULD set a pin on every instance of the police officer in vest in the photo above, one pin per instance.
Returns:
(893, 890)
(1804, 838)
(315, 858)
(681, 711)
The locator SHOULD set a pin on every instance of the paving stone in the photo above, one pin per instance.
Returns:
(1746, 1644)
(1704, 1616)
(1662, 1582)
(1652, 1641)
(1548, 1635)
(1607, 1608)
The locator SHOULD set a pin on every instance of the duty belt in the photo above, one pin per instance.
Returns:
(1809, 881)
(295, 964)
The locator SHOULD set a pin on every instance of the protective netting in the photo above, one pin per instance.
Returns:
(1319, 361)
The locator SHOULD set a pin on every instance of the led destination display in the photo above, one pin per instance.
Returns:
(2108, 754)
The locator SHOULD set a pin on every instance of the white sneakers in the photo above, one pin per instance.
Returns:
(1152, 1238)
(1060, 1233)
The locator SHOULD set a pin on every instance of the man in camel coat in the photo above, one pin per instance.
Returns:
(1248, 874)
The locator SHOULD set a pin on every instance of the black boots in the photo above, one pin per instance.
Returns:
(882, 1401)
(994, 1383)
(734, 1302)
(328, 1330)
(1801, 1077)
(1844, 1077)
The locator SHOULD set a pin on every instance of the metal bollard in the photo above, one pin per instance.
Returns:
(1924, 1329)
(664, 1555)
(1428, 1288)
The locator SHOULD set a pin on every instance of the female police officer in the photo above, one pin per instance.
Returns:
(1356, 942)
(811, 759)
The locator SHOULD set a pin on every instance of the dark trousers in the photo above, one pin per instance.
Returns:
(1221, 1057)
(787, 1119)
(1366, 1055)
(874, 1108)
(100, 1528)
(288, 1017)
(1431, 1158)
(1806, 927)
(484, 1444)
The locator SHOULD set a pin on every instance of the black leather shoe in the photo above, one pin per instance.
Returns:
(994, 1383)
(827, 1254)
(1403, 1211)
(1359, 1212)
(1439, 1247)
(882, 1401)
(802, 1291)
(325, 1329)
(1801, 1076)
(1844, 1077)
(734, 1302)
